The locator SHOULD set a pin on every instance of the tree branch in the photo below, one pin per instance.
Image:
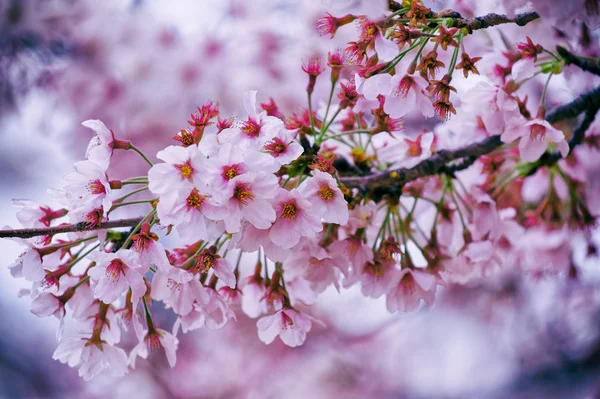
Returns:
(391, 181)
(489, 20)
(67, 228)
(587, 64)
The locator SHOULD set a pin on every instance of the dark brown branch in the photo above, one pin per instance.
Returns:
(450, 161)
(489, 20)
(586, 64)
(68, 228)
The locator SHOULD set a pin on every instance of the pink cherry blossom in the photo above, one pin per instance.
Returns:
(283, 147)
(91, 358)
(247, 198)
(535, 136)
(153, 341)
(290, 324)
(115, 273)
(408, 288)
(179, 289)
(404, 152)
(88, 187)
(183, 167)
(194, 214)
(100, 148)
(231, 161)
(295, 219)
(33, 214)
(254, 131)
(325, 197)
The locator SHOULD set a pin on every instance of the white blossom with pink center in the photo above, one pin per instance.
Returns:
(91, 358)
(193, 212)
(115, 273)
(535, 136)
(87, 188)
(289, 324)
(232, 161)
(247, 198)
(325, 197)
(404, 152)
(179, 289)
(183, 167)
(403, 94)
(153, 341)
(100, 148)
(257, 129)
(295, 219)
(408, 288)
(283, 147)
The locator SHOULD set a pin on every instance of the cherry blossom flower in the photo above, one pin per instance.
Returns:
(256, 130)
(295, 219)
(88, 187)
(33, 214)
(179, 289)
(194, 214)
(232, 161)
(283, 148)
(153, 341)
(247, 198)
(92, 358)
(408, 288)
(214, 314)
(115, 273)
(183, 167)
(535, 136)
(110, 331)
(325, 197)
(103, 143)
(404, 152)
(314, 264)
(403, 94)
(290, 324)
(149, 250)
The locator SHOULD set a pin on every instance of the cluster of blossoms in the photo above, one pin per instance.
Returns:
(271, 211)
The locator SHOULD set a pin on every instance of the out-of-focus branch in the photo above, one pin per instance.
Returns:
(587, 64)
(449, 161)
(68, 228)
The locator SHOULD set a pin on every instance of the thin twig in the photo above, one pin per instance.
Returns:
(68, 228)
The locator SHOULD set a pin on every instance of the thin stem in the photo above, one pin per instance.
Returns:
(543, 98)
(120, 199)
(131, 203)
(134, 148)
(310, 114)
(326, 128)
(455, 54)
(79, 258)
(328, 106)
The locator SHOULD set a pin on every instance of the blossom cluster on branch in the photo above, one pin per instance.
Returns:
(271, 210)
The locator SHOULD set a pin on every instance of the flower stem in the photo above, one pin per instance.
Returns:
(134, 148)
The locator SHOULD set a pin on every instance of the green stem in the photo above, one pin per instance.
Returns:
(131, 203)
(80, 257)
(134, 148)
(310, 114)
(326, 128)
(120, 199)
(455, 54)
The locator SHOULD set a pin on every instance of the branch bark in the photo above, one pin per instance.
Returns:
(492, 19)
(391, 181)
(587, 64)
(68, 228)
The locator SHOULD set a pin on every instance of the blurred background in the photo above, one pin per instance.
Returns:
(142, 67)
